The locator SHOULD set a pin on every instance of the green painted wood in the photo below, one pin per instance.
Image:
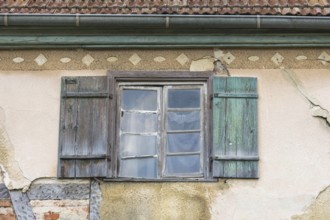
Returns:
(235, 123)
(168, 40)
(84, 127)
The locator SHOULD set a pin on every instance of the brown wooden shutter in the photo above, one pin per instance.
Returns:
(235, 132)
(83, 144)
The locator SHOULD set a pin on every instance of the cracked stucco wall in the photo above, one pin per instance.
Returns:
(10, 170)
(319, 209)
(294, 146)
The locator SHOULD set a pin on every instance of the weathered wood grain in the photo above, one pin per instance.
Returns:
(235, 127)
(21, 205)
(84, 134)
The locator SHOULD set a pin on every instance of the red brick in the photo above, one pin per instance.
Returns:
(5, 203)
(51, 216)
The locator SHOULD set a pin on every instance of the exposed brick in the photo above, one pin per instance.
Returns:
(7, 216)
(7, 213)
(5, 203)
(51, 216)
(60, 209)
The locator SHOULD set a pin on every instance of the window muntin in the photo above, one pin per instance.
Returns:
(139, 131)
(161, 130)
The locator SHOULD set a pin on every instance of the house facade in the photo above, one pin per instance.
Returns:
(164, 110)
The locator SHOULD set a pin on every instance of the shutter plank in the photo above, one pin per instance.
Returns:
(240, 129)
(219, 116)
(68, 129)
(91, 127)
(84, 136)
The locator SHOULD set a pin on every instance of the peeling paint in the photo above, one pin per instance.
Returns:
(159, 200)
(203, 64)
(319, 209)
(317, 110)
(10, 171)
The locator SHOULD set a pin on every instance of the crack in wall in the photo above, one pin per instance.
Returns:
(319, 209)
(317, 110)
(10, 169)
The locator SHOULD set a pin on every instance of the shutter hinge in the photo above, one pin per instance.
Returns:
(110, 96)
(70, 81)
(211, 101)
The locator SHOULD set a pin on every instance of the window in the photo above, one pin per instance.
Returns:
(158, 126)
(161, 130)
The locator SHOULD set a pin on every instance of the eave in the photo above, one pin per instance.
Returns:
(28, 31)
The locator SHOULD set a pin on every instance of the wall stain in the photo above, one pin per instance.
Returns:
(161, 201)
(319, 209)
(10, 171)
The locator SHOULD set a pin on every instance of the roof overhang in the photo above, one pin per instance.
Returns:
(25, 31)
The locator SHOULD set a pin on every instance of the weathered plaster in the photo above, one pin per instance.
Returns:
(161, 59)
(10, 170)
(293, 146)
(158, 200)
(319, 209)
(317, 109)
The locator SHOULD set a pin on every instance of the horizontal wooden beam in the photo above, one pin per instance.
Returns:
(237, 158)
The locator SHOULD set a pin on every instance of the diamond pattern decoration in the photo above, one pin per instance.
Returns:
(87, 60)
(159, 59)
(135, 59)
(253, 58)
(65, 60)
(18, 60)
(182, 59)
(228, 58)
(112, 59)
(324, 57)
(301, 58)
(40, 60)
(277, 59)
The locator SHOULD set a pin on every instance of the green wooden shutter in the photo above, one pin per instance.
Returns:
(83, 144)
(235, 132)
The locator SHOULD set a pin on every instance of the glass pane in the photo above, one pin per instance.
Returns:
(145, 168)
(138, 122)
(183, 120)
(182, 164)
(189, 142)
(136, 99)
(136, 145)
(183, 98)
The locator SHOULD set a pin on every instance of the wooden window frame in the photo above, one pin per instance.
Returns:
(175, 77)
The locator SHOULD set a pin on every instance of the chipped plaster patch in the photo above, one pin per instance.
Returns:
(10, 170)
(205, 64)
(319, 209)
(316, 107)
(218, 54)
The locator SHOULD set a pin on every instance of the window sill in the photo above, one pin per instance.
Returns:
(158, 180)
